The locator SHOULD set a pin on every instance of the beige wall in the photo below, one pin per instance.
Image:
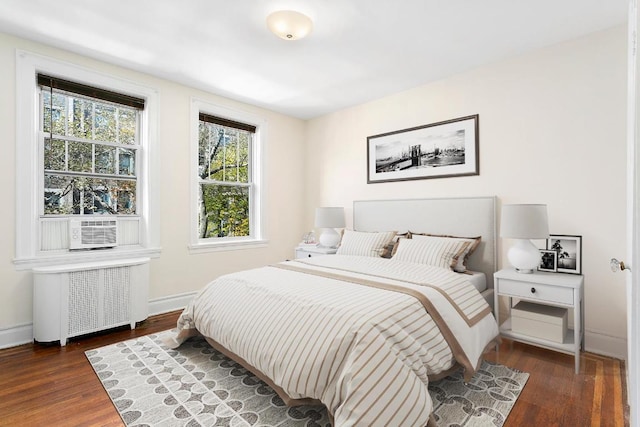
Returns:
(552, 130)
(176, 271)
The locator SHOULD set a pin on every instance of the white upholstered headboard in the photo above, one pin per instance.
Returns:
(464, 217)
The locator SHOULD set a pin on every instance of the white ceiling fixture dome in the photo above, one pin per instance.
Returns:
(289, 24)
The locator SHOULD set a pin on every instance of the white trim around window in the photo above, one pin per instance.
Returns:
(28, 197)
(257, 210)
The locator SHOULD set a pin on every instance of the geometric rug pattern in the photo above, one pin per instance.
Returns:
(485, 401)
(195, 385)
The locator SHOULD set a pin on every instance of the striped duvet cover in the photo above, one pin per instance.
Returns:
(362, 335)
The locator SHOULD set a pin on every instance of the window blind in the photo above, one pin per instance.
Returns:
(90, 91)
(226, 122)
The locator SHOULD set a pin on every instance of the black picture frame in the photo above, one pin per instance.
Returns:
(438, 150)
(548, 260)
(569, 252)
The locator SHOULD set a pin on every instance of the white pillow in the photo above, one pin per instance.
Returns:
(363, 243)
(461, 265)
(436, 251)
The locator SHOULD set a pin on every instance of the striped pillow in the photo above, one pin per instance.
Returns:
(363, 243)
(461, 265)
(435, 251)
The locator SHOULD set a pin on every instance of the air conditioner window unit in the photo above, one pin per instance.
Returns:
(92, 233)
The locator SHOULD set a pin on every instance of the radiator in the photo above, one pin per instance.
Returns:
(73, 300)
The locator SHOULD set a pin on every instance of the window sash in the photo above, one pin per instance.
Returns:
(73, 195)
(93, 131)
(205, 161)
(232, 211)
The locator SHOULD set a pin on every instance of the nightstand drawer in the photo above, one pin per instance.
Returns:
(305, 254)
(313, 251)
(536, 291)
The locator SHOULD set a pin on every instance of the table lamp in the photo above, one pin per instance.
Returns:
(328, 219)
(522, 223)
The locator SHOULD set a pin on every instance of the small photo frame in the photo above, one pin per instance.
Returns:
(568, 251)
(548, 260)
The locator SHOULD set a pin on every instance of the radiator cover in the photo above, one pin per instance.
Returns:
(78, 299)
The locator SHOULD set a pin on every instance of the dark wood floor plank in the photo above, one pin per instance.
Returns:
(53, 385)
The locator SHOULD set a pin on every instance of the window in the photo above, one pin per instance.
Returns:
(89, 147)
(85, 146)
(227, 178)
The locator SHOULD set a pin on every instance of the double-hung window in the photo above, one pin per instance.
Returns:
(227, 186)
(90, 142)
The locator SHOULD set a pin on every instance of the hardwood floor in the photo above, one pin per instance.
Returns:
(49, 385)
(55, 386)
(556, 396)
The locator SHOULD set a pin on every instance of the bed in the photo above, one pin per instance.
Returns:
(358, 332)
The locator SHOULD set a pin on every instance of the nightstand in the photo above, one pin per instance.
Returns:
(309, 251)
(545, 289)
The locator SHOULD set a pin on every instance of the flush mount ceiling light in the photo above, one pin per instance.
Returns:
(289, 24)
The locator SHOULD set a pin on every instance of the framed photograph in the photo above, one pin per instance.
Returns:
(548, 260)
(438, 150)
(568, 251)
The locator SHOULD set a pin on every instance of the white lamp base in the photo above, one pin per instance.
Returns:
(524, 256)
(329, 238)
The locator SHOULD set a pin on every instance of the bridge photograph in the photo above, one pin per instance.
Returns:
(428, 151)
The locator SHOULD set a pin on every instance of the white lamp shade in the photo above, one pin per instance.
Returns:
(524, 222)
(329, 217)
(289, 24)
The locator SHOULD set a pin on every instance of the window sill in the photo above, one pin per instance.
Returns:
(67, 257)
(227, 246)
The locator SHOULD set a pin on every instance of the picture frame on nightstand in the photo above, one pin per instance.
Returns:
(548, 260)
(569, 252)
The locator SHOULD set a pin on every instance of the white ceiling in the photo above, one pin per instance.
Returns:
(359, 50)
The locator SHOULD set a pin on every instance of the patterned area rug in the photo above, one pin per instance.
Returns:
(195, 385)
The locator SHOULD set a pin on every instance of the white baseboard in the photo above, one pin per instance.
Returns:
(606, 345)
(23, 334)
(16, 335)
(171, 303)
